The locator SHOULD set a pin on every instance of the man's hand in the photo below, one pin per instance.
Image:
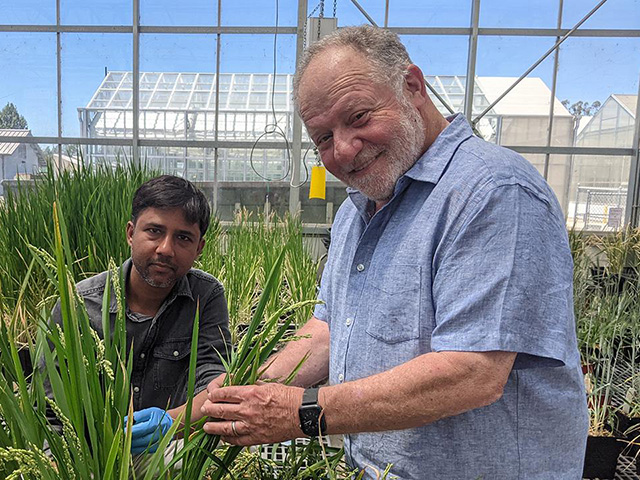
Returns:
(149, 426)
(255, 414)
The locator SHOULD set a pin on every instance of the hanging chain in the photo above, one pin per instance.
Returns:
(320, 17)
(335, 5)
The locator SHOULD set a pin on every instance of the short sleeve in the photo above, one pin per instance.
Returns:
(504, 280)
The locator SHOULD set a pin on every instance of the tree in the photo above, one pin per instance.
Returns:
(581, 109)
(10, 118)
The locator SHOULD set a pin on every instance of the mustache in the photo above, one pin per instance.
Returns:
(366, 156)
(164, 262)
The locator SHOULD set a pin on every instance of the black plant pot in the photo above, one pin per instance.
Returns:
(601, 457)
(25, 361)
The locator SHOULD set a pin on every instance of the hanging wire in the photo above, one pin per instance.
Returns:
(274, 128)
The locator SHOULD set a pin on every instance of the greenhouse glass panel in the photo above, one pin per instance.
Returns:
(263, 14)
(619, 14)
(408, 13)
(531, 14)
(95, 99)
(597, 192)
(29, 12)
(191, 12)
(96, 12)
(602, 102)
(31, 85)
(522, 116)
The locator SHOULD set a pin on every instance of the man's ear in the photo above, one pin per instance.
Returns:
(201, 245)
(415, 85)
(130, 228)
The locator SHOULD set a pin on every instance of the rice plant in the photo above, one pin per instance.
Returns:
(97, 205)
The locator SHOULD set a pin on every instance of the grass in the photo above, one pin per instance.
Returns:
(95, 201)
(270, 281)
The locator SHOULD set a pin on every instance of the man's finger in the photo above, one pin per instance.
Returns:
(228, 394)
(224, 411)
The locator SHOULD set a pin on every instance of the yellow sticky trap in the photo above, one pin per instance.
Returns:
(317, 189)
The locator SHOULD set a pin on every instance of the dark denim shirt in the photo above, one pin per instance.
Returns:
(162, 344)
(471, 254)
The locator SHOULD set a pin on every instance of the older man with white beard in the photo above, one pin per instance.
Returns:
(447, 328)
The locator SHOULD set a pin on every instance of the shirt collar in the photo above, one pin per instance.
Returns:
(181, 288)
(429, 167)
(432, 164)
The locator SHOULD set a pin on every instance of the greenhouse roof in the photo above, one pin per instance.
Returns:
(529, 98)
(7, 148)
(629, 102)
(162, 91)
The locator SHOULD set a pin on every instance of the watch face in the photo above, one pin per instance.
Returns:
(309, 416)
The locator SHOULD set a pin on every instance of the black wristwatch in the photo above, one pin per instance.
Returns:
(312, 421)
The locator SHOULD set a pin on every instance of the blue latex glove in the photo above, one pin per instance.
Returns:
(149, 426)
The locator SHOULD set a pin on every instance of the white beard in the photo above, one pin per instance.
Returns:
(399, 156)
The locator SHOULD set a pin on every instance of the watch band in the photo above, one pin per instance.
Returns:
(310, 396)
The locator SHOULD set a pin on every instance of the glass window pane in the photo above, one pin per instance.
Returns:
(522, 116)
(597, 192)
(531, 14)
(602, 101)
(177, 91)
(234, 12)
(190, 12)
(619, 14)
(96, 12)
(112, 155)
(409, 13)
(250, 94)
(28, 12)
(443, 61)
(96, 84)
(32, 84)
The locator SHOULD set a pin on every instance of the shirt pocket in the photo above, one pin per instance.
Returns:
(394, 304)
(171, 360)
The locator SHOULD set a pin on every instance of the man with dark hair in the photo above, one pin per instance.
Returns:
(166, 234)
(447, 329)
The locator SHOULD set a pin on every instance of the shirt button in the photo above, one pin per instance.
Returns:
(340, 377)
(136, 389)
(360, 267)
(176, 353)
(349, 321)
(142, 355)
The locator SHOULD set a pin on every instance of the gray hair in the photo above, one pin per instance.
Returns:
(384, 50)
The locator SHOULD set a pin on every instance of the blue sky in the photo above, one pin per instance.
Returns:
(590, 68)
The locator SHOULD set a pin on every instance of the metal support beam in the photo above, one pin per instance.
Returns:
(136, 82)
(59, 82)
(296, 147)
(471, 60)
(552, 99)
(386, 13)
(216, 117)
(631, 214)
(364, 12)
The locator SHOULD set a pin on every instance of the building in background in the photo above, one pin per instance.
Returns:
(19, 160)
(258, 108)
(599, 183)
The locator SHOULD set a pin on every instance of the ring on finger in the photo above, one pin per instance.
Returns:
(233, 429)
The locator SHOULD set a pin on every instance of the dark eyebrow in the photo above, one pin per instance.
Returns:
(154, 225)
(187, 233)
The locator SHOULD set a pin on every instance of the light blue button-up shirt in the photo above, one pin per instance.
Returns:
(470, 254)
